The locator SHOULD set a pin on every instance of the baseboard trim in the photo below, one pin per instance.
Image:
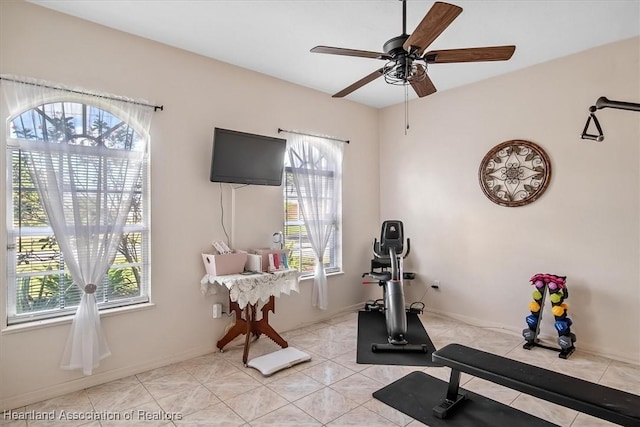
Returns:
(544, 337)
(35, 396)
(345, 310)
(82, 383)
(56, 390)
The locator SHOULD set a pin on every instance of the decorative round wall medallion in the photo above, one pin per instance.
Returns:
(514, 173)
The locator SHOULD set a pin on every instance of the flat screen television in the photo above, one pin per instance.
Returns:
(245, 158)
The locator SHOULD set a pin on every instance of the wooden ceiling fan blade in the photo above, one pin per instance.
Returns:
(473, 54)
(350, 52)
(357, 85)
(423, 85)
(439, 17)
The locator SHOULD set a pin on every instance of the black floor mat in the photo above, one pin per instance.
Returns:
(372, 329)
(417, 393)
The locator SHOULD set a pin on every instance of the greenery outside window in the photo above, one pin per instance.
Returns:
(39, 283)
(296, 238)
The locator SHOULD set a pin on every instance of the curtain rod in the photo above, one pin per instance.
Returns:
(155, 107)
(310, 134)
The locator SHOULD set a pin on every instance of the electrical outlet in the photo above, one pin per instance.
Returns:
(217, 311)
(436, 284)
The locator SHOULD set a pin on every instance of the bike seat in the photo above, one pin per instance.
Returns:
(383, 275)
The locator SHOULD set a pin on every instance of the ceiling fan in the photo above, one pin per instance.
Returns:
(405, 54)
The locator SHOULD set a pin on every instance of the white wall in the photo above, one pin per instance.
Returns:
(585, 226)
(198, 94)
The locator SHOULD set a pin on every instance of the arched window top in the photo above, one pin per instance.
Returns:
(76, 124)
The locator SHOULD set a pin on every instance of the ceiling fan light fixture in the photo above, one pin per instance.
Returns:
(402, 73)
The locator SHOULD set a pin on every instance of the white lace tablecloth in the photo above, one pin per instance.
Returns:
(249, 289)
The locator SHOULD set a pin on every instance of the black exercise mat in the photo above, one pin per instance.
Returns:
(417, 393)
(372, 328)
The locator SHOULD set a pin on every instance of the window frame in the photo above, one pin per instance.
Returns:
(334, 247)
(13, 233)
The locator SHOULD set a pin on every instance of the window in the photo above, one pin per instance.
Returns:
(326, 177)
(40, 285)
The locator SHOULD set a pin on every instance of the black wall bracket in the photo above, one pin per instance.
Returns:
(601, 103)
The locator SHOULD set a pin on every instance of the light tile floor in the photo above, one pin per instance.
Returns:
(330, 390)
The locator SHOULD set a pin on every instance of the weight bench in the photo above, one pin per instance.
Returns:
(609, 404)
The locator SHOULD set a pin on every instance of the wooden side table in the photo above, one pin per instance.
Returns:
(245, 294)
(249, 325)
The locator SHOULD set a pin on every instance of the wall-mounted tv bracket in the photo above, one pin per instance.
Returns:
(601, 103)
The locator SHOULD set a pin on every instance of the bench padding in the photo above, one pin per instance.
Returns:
(594, 399)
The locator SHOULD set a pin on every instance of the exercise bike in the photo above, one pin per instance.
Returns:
(388, 253)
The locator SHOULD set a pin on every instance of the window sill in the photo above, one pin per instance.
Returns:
(311, 276)
(39, 324)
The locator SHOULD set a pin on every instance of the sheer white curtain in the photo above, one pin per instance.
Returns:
(86, 189)
(316, 165)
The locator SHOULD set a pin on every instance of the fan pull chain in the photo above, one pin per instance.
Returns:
(406, 109)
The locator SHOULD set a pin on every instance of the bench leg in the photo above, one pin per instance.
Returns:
(453, 400)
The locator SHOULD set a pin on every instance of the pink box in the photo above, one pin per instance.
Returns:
(219, 265)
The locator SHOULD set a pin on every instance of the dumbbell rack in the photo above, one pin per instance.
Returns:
(533, 341)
